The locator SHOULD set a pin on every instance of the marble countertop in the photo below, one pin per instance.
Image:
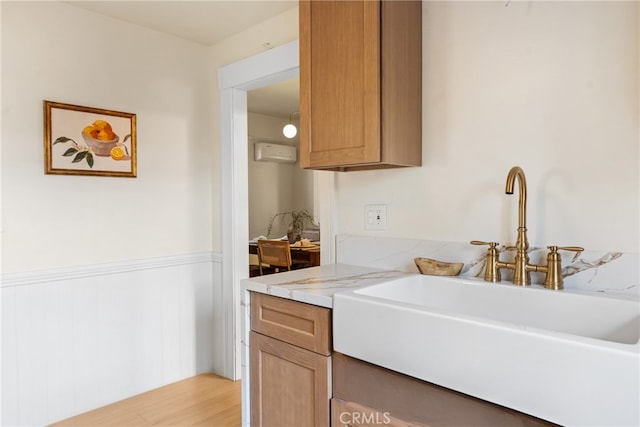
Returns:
(317, 285)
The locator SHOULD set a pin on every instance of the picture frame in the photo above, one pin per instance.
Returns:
(89, 141)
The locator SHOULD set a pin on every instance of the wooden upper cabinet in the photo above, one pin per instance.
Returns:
(360, 84)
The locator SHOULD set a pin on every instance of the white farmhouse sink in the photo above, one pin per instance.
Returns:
(563, 356)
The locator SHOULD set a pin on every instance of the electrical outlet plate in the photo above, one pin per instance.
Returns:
(375, 217)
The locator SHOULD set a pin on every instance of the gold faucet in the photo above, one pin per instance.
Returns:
(521, 267)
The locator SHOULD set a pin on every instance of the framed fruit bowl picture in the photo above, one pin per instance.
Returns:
(89, 141)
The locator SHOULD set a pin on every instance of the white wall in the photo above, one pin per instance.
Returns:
(71, 343)
(550, 86)
(53, 51)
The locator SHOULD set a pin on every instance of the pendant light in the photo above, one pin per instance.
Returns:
(290, 130)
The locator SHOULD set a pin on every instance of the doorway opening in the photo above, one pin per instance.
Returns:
(234, 81)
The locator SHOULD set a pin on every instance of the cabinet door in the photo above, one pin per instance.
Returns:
(339, 83)
(290, 386)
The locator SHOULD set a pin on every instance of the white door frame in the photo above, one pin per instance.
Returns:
(234, 80)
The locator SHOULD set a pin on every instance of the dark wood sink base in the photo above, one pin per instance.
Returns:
(392, 396)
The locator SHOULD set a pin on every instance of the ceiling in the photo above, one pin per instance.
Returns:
(205, 22)
(278, 100)
(208, 22)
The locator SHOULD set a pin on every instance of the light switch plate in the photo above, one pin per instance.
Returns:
(375, 217)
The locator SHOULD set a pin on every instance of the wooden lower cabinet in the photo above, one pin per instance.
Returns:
(290, 385)
(411, 402)
(296, 380)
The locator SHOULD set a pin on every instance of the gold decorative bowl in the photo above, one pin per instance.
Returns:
(433, 267)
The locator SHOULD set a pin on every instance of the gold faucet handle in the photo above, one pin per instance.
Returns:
(554, 280)
(491, 271)
(565, 248)
(492, 245)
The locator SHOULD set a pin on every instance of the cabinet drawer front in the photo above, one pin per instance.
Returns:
(300, 324)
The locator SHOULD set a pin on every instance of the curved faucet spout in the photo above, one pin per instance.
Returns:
(517, 171)
(521, 264)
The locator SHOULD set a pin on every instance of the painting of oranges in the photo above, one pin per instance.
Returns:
(99, 136)
(89, 141)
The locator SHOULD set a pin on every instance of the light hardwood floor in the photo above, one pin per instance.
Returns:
(203, 400)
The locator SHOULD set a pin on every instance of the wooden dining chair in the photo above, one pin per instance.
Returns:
(254, 266)
(276, 253)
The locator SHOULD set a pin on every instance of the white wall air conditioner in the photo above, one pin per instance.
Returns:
(268, 152)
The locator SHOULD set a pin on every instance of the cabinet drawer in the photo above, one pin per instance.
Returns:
(300, 324)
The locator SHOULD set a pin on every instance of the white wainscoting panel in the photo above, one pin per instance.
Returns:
(77, 339)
